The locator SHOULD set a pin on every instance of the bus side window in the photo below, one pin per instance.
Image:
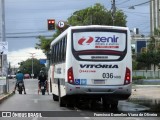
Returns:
(64, 50)
(56, 53)
(53, 54)
(61, 52)
(49, 57)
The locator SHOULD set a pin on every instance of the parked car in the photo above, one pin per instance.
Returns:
(26, 76)
(11, 76)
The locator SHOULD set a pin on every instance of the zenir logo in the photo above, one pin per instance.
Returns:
(84, 41)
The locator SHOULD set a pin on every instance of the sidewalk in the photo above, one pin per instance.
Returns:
(5, 96)
(145, 92)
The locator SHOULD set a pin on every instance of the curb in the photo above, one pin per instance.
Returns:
(4, 97)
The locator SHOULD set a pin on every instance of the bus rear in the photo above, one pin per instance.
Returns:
(99, 64)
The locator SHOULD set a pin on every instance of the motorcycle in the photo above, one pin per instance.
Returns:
(20, 87)
(43, 87)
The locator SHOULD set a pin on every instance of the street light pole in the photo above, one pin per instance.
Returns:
(3, 57)
(32, 64)
(113, 9)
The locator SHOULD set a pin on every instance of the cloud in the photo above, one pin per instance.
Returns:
(14, 57)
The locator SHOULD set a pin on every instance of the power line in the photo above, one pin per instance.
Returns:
(28, 32)
(123, 2)
(138, 13)
(34, 36)
(142, 3)
(132, 7)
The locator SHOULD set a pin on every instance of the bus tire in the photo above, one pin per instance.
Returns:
(55, 97)
(70, 102)
(114, 105)
(92, 104)
(106, 104)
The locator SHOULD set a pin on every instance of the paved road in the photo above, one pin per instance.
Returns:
(34, 102)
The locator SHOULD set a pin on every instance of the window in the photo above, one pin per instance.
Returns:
(59, 51)
(64, 49)
(54, 54)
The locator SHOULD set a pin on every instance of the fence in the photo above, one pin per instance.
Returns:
(146, 74)
(2, 89)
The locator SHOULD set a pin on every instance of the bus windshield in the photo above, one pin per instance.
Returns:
(99, 45)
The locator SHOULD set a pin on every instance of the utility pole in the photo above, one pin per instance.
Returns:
(3, 57)
(32, 64)
(113, 11)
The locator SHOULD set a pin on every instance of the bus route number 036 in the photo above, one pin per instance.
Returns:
(107, 75)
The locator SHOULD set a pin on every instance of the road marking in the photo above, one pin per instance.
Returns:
(134, 118)
(35, 100)
(86, 117)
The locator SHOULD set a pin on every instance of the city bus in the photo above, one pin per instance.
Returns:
(91, 63)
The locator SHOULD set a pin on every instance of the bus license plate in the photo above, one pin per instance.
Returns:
(99, 81)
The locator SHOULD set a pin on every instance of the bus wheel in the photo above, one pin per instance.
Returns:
(114, 105)
(106, 104)
(55, 97)
(70, 102)
(92, 104)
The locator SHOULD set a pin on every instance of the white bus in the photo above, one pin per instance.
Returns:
(93, 63)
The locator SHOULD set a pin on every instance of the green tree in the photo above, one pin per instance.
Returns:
(44, 43)
(26, 66)
(95, 15)
(154, 48)
(152, 54)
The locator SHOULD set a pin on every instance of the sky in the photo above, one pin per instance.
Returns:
(27, 19)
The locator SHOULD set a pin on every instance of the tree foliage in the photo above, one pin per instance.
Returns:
(145, 59)
(152, 54)
(44, 43)
(26, 66)
(95, 15)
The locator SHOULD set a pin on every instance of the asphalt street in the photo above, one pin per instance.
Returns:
(34, 102)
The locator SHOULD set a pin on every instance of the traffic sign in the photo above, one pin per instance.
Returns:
(61, 24)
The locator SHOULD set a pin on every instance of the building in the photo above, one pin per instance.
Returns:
(154, 15)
